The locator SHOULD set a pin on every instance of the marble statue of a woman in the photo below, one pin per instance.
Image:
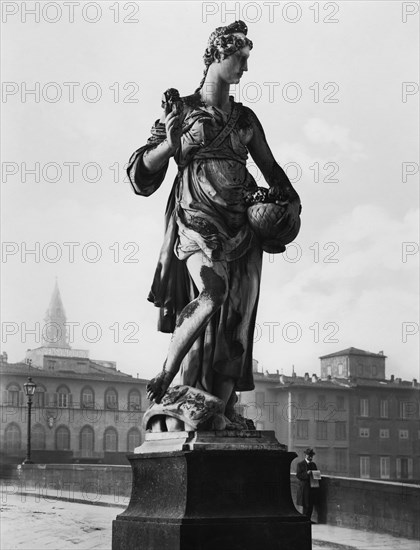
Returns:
(207, 280)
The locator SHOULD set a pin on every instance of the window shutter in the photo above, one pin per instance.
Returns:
(410, 467)
(52, 399)
(398, 468)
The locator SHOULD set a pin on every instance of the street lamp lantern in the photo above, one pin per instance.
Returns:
(30, 388)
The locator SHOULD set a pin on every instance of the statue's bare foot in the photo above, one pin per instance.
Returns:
(157, 387)
(239, 421)
(222, 422)
(219, 422)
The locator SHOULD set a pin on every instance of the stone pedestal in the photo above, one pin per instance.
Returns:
(211, 491)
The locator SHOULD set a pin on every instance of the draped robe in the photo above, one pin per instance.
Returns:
(206, 214)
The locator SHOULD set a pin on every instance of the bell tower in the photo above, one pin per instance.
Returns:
(54, 334)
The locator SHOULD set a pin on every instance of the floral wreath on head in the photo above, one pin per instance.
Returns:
(224, 42)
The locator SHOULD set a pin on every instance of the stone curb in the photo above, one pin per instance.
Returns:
(76, 500)
(333, 545)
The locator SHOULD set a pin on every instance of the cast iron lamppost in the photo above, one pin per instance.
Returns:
(30, 388)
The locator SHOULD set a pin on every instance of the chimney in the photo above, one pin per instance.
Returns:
(314, 378)
(381, 352)
(278, 372)
(392, 377)
(293, 374)
(414, 383)
(329, 377)
(306, 377)
(137, 375)
(398, 380)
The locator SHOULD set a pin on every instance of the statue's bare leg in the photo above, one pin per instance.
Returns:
(223, 389)
(211, 281)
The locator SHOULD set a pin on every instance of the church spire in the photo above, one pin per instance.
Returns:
(54, 333)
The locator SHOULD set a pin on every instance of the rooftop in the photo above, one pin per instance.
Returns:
(353, 351)
(346, 383)
(282, 381)
(96, 372)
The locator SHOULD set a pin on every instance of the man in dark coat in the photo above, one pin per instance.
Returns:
(306, 496)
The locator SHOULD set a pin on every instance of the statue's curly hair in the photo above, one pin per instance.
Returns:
(222, 43)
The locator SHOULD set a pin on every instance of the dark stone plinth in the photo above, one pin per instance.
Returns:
(212, 498)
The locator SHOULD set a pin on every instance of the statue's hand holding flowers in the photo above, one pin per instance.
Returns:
(173, 109)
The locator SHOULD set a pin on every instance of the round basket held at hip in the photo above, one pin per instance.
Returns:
(275, 225)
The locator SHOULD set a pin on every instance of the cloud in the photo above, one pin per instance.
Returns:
(368, 293)
(320, 132)
(367, 248)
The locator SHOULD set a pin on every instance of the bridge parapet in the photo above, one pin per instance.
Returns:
(372, 505)
(379, 506)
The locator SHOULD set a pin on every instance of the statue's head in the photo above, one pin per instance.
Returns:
(228, 47)
(225, 41)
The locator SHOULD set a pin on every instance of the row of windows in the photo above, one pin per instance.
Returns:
(322, 432)
(367, 370)
(384, 433)
(330, 460)
(403, 467)
(86, 443)
(62, 398)
(338, 370)
(321, 402)
(362, 369)
(406, 409)
(340, 431)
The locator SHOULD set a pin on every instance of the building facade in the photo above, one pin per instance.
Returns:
(83, 410)
(360, 423)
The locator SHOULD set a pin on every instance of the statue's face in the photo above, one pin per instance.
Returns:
(232, 67)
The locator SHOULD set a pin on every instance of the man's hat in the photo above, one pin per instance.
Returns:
(309, 451)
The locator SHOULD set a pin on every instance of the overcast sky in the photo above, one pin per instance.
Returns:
(335, 86)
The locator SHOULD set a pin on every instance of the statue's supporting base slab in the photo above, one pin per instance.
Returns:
(212, 497)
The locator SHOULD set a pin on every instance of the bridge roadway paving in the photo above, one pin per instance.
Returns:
(29, 522)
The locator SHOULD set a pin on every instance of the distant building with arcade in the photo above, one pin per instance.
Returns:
(84, 410)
